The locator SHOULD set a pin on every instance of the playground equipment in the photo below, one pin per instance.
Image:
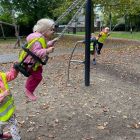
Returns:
(87, 41)
(21, 66)
(76, 4)
(16, 27)
(77, 61)
(70, 59)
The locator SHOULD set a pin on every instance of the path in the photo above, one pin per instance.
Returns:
(6, 58)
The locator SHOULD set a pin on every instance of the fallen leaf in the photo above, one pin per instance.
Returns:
(51, 136)
(124, 117)
(135, 125)
(45, 106)
(30, 129)
(101, 127)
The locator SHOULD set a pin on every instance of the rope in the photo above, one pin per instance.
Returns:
(117, 24)
(72, 6)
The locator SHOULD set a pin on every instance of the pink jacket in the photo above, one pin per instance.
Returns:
(36, 48)
(10, 75)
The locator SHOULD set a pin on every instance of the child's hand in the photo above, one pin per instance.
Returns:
(52, 42)
(13, 67)
(50, 49)
(55, 39)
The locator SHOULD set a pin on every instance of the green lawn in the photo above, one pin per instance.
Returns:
(125, 35)
(10, 40)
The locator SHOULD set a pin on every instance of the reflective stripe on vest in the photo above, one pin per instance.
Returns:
(7, 107)
(23, 53)
(103, 37)
(91, 47)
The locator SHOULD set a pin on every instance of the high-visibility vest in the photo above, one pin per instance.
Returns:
(91, 47)
(103, 37)
(23, 53)
(7, 106)
(92, 43)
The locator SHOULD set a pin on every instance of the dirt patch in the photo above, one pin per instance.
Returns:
(106, 110)
(116, 42)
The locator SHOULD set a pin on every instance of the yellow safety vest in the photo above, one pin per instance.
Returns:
(23, 53)
(7, 106)
(103, 37)
(91, 47)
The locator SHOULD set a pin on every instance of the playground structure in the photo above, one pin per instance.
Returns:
(16, 27)
(21, 66)
(87, 36)
(108, 109)
(57, 69)
(75, 5)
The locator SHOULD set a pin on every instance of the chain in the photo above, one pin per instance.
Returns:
(73, 5)
(73, 18)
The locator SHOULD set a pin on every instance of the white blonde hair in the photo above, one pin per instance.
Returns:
(43, 25)
(106, 28)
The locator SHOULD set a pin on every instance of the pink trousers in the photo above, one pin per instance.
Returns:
(34, 79)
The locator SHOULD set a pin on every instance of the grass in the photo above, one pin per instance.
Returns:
(123, 35)
(126, 35)
(9, 40)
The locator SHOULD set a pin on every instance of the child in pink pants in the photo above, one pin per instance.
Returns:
(44, 28)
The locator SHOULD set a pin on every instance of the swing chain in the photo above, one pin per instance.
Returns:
(73, 18)
(72, 6)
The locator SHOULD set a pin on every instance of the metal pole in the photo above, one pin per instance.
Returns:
(87, 43)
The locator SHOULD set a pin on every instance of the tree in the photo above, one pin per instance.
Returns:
(114, 9)
(29, 11)
(5, 12)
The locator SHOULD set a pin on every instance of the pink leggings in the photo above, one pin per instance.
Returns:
(34, 79)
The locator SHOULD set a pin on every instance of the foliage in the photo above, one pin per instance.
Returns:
(5, 12)
(27, 12)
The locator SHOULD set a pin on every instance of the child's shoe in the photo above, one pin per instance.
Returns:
(94, 62)
(5, 136)
(98, 51)
(30, 95)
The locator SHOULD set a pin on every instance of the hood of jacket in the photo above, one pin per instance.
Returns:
(32, 36)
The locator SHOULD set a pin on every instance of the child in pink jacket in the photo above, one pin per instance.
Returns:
(7, 107)
(44, 28)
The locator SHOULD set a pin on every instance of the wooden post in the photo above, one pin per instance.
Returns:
(2, 32)
(17, 35)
